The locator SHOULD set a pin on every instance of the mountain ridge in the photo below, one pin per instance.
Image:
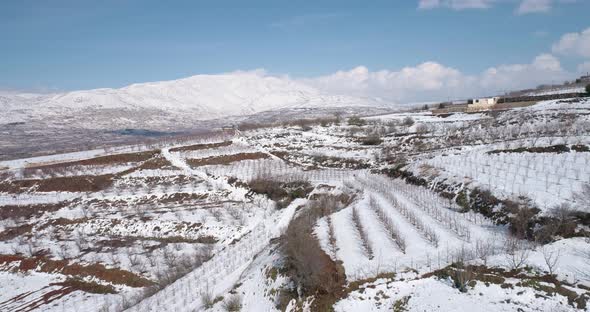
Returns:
(205, 97)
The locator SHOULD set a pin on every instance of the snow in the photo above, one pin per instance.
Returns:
(428, 117)
(547, 178)
(556, 91)
(205, 96)
(219, 274)
(435, 232)
(432, 294)
(420, 253)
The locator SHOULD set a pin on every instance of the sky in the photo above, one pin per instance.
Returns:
(399, 50)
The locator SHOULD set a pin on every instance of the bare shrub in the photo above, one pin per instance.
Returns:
(408, 121)
(461, 275)
(232, 304)
(356, 121)
(217, 214)
(207, 299)
(522, 221)
(371, 140)
(312, 269)
(560, 222)
(422, 128)
(281, 192)
(237, 215)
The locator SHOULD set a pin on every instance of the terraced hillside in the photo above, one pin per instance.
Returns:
(407, 211)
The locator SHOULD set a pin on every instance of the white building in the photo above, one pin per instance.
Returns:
(482, 103)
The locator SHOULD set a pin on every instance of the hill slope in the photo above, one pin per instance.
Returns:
(200, 97)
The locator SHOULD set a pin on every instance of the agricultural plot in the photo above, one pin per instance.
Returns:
(550, 179)
(145, 224)
(394, 226)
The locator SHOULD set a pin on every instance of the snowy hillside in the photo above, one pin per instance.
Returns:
(202, 96)
(402, 212)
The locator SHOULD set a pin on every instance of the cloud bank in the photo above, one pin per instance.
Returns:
(432, 81)
(574, 44)
(524, 7)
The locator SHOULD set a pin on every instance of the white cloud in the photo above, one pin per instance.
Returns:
(577, 44)
(433, 81)
(545, 68)
(534, 6)
(547, 62)
(455, 4)
(428, 4)
(407, 84)
(525, 6)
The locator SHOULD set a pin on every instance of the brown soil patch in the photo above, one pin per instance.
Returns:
(181, 198)
(197, 147)
(157, 162)
(149, 201)
(46, 265)
(89, 287)
(102, 160)
(59, 184)
(44, 297)
(225, 159)
(27, 211)
(15, 231)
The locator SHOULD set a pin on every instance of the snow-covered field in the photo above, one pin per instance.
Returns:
(548, 179)
(384, 203)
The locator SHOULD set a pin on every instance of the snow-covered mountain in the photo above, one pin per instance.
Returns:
(200, 97)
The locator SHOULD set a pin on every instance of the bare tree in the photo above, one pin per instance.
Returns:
(217, 214)
(517, 253)
(583, 198)
(80, 241)
(551, 258)
(364, 235)
(170, 258)
(63, 251)
(483, 250)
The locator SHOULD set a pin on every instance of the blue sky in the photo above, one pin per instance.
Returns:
(67, 45)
